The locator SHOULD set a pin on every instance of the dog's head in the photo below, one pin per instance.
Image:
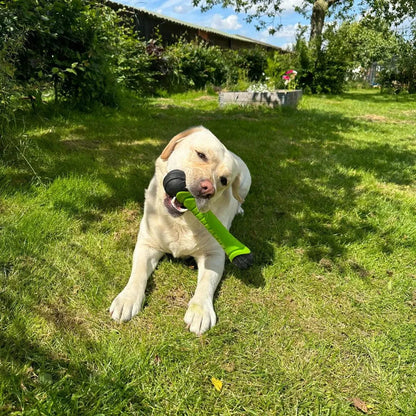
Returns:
(209, 167)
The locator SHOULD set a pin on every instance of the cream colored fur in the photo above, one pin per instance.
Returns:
(184, 236)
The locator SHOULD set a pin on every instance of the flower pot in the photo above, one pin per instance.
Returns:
(284, 98)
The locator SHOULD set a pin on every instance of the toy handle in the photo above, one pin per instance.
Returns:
(237, 252)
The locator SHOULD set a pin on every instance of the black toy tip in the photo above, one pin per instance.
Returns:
(174, 182)
(243, 261)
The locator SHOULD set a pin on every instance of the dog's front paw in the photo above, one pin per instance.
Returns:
(200, 317)
(125, 306)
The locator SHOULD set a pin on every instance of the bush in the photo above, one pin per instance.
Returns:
(400, 74)
(254, 62)
(134, 67)
(277, 65)
(321, 70)
(11, 41)
(191, 65)
(70, 45)
(86, 71)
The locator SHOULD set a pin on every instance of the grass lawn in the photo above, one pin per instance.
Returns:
(323, 324)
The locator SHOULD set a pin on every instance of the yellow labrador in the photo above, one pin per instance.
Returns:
(219, 180)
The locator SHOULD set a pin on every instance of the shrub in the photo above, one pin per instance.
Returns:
(134, 65)
(321, 70)
(11, 41)
(277, 65)
(71, 45)
(400, 73)
(254, 62)
(185, 65)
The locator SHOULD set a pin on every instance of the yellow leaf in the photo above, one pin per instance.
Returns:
(217, 383)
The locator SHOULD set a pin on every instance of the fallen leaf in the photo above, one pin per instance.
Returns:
(217, 383)
(359, 405)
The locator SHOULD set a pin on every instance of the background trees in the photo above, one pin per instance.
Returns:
(329, 52)
(69, 43)
(81, 52)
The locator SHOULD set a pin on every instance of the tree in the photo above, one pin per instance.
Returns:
(317, 10)
(320, 10)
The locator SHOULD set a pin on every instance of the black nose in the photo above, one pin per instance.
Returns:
(174, 182)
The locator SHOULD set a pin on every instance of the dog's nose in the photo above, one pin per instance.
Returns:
(206, 188)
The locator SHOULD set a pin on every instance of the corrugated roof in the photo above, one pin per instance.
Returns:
(198, 27)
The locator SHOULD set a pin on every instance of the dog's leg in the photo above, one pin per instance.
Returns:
(200, 315)
(130, 300)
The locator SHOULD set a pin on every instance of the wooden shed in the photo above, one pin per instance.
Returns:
(149, 23)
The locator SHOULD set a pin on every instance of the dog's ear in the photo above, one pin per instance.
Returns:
(241, 184)
(167, 151)
(236, 185)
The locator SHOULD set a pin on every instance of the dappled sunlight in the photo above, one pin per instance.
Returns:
(329, 217)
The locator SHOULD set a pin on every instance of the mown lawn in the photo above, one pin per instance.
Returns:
(323, 324)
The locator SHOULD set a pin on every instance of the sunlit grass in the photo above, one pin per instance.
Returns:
(325, 316)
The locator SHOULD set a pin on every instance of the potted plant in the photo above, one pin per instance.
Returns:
(264, 94)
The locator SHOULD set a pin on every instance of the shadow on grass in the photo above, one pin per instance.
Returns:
(304, 170)
(29, 368)
(376, 97)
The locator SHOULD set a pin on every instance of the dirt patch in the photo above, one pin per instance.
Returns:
(63, 318)
(178, 297)
(374, 118)
(409, 113)
(76, 144)
(206, 98)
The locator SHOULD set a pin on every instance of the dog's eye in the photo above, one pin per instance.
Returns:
(202, 156)
(223, 180)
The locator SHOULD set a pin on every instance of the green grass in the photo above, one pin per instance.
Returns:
(325, 316)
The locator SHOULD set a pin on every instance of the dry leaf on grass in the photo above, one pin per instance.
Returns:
(360, 405)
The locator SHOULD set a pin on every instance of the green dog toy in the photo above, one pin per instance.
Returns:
(175, 186)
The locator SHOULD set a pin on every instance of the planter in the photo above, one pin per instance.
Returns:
(284, 98)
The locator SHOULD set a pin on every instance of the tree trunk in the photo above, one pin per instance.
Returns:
(319, 11)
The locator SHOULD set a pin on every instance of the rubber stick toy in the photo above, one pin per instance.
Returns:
(175, 186)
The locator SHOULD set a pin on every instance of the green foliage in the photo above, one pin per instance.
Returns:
(277, 65)
(11, 41)
(366, 42)
(86, 71)
(264, 12)
(400, 73)
(254, 61)
(320, 70)
(193, 65)
(134, 68)
(71, 45)
(346, 53)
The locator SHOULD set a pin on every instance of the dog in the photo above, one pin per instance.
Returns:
(219, 180)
